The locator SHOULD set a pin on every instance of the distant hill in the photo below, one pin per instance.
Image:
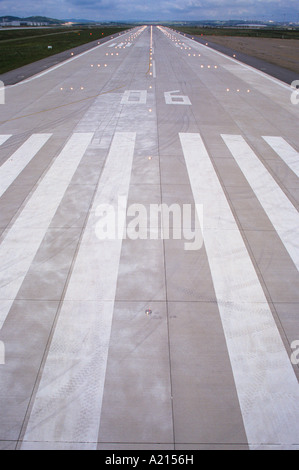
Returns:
(43, 19)
(8, 18)
(30, 19)
(76, 20)
(231, 23)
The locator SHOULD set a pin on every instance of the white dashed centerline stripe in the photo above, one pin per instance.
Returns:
(11, 169)
(266, 384)
(289, 155)
(21, 242)
(67, 406)
(154, 69)
(279, 209)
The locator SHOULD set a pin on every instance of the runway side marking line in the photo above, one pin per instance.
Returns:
(21, 243)
(289, 155)
(67, 406)
(281, 212)
(266, 384)
(11, 169)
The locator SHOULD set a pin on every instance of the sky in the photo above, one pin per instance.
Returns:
(148, 10)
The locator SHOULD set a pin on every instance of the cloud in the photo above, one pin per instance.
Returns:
(155, 9)
(229, 9)
(193, 9)
(94, 4)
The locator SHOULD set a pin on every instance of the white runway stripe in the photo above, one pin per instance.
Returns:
(267, 387)
(67, 407)
(154, 69)
(4, 138)
(289, 155)
(279, 209)
(11, 169)
(22, 241)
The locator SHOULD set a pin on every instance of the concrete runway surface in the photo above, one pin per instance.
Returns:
(116, 333)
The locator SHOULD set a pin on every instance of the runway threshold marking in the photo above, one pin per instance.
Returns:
(21, 242)
(281, 212)
(289, 155)
(266, 384)
(4, 138)
(20, 159)
(67, 406)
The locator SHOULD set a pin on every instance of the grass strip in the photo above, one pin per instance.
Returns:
(22, 47)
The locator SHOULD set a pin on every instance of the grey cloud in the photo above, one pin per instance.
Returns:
(155, 9)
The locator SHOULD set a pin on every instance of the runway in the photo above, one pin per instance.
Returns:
(149, 252)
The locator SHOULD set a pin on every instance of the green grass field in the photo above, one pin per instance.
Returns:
(20, 47)
(241, 32)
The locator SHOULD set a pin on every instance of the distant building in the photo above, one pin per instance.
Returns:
(10, 23)
(251, 26)
(30, 23)
(22, 23)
